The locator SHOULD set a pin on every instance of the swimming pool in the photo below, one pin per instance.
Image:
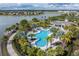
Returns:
(41, 36)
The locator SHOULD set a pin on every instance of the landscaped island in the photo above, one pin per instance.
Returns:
(55, 36)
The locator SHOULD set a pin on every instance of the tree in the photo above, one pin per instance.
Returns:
(24, 25)
(66, 27)
(35, 20)
(40, 53)
(43, 24)
(50, 52)
(23, 43)
(73, 29)
(76, 43)
(32, 35)
(58, 51)
(5, 38)
(31, 51)
(70, 38)
(53, 18)
(54, 30)
(13, 27)
(47, 21)
(50, 38)
(8, 29)
(67, 37)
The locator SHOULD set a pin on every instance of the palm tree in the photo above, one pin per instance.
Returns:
(58, 51)
(40, 53)
(23, 43)
(72, 33)
(31, 51)
(50, 52)
(67, 37)
(32, 35)
(70, 37)
(49, 39)
(54, 30)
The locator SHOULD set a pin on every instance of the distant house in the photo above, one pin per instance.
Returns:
(61, 23)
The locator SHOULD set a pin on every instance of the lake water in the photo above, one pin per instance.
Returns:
(6, 21)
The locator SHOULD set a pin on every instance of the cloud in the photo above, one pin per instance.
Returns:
(40, 6)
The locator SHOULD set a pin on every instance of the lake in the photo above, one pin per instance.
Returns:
(6, 21)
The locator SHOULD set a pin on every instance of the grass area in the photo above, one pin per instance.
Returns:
(15, 49)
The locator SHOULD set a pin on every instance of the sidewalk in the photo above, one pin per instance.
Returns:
(9, 46)
(0, 50)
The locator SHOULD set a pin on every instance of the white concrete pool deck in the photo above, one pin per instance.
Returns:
(46, 46)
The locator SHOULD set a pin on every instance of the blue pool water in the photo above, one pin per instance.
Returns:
(41, 36)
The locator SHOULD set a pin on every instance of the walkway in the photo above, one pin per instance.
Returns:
(0, 50)
(9, 46)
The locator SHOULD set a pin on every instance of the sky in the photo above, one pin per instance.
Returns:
(39, 6)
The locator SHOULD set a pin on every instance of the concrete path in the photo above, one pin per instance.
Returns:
(0, 50)
(9, 46)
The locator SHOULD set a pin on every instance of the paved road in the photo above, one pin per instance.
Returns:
(0, 50)
(9, 46)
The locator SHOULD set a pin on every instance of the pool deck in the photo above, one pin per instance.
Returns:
(46, 46)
